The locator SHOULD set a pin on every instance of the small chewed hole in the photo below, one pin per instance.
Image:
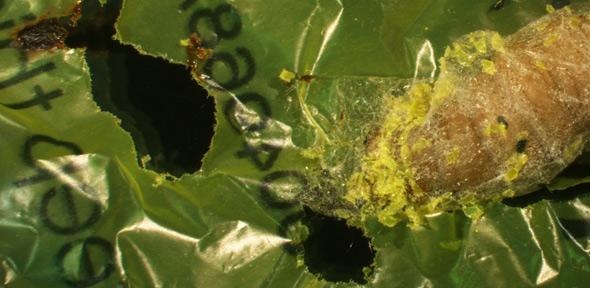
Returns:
(502, 120)
(521, 145)
(336, 251)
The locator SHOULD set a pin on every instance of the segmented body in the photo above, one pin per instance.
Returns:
(504, 116)
(520, 125)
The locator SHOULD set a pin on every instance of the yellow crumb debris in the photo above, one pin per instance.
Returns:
(421, 144)
(416, 219)
(514, 165)
(184, 42)
(453, 155)
(495, 129)
(474, 50)
(434, 204)
(299, 261)
(287, 76)
(473, 212)
(508, 193)
(443, 88)
(497, 42)
(457, 53)
(159, 180)
(383, 179)
(541, 26)
(540, 64)
(479, 42)
(488, 67)
(145, 159)
(550, 40)
(573, 150)
(575, 22)
(549, 8)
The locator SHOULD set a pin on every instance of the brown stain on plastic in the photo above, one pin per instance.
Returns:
(196, 52)
(47, 33)
(306, 78)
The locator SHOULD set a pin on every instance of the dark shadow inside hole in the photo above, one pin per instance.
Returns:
(557, 4)
(544, 194)
(335, 251)
(168, 114)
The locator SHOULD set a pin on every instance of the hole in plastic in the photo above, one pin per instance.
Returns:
(335, 251)
(168, 114)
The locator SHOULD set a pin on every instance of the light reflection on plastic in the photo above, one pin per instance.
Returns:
(7, 121)
(275, 133)
(581, 207)
(489, 261)
(573, 239)
(89, 179)
(7, 272)
(546, 273)
(426, 283)
(151, 273)
(328, 35)
(147, 227)
(303, 36)
(240, 246)
(287, 191)
(425, 62)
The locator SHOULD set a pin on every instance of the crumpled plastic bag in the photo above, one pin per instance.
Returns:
(76, 209)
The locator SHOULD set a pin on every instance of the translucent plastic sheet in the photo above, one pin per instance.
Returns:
(77, 210)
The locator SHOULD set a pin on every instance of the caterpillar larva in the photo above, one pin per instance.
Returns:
(503, 117)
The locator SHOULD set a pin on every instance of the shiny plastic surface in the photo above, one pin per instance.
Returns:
(77, 210)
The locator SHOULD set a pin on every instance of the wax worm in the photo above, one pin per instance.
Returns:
(504, 116)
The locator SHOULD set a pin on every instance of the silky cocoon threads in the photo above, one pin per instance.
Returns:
(504, 116)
